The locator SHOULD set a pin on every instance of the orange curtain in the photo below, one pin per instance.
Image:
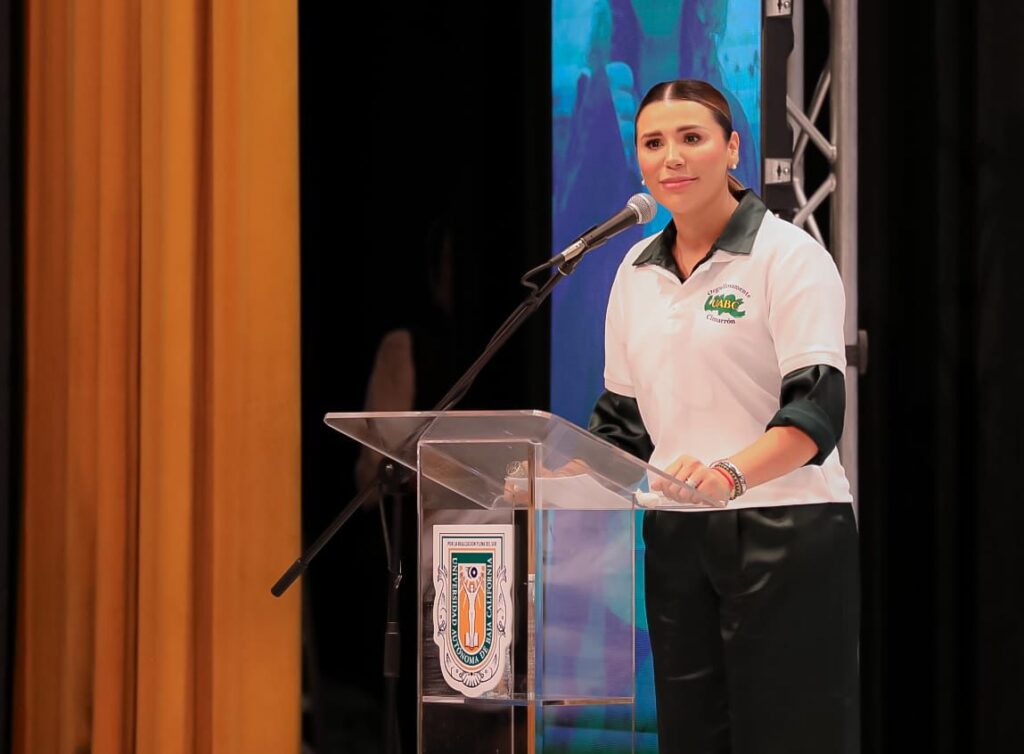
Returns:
(161, 480)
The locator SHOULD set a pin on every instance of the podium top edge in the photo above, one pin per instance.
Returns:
(432, 414)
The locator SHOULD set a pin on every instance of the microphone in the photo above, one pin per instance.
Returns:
(640, 209)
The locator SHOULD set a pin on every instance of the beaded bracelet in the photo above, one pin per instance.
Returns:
(728, 477)
(739, 481)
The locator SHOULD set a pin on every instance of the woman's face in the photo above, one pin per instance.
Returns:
(683, 154)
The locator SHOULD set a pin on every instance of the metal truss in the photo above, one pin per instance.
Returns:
(837, 87)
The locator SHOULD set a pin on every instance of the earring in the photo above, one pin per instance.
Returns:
(642, 181)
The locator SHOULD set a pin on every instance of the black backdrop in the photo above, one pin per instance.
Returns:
(411, 114)
(941, 127)
(10, 341)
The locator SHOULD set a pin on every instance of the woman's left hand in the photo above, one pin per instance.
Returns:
(707, 481)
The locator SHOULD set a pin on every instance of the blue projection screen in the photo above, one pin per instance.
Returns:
(605, 55)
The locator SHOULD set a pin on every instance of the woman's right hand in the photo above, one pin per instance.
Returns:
(688, 469)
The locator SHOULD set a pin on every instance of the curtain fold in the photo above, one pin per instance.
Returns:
(161, 476)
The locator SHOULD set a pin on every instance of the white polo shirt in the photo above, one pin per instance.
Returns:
(705, 358)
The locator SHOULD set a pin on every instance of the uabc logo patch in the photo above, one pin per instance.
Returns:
(725, 303)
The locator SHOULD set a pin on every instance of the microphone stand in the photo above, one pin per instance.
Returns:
(391, 494)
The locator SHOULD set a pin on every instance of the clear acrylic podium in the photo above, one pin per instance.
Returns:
(526, 577)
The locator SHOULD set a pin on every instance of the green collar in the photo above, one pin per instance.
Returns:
(737, 236)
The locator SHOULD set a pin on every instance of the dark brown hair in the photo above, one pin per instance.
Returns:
(694, 90)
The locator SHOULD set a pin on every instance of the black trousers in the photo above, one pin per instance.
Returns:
(754, 618)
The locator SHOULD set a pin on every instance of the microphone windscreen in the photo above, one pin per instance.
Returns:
(644, 206)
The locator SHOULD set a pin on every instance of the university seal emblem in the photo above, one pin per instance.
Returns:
(473, 604)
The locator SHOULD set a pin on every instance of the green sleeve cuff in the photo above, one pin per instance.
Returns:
(813, 400)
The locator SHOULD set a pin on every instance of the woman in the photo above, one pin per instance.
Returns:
(724, 363)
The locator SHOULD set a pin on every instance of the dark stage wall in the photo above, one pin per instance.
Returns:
(437, 119)
(11, 87)
(941, 119)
